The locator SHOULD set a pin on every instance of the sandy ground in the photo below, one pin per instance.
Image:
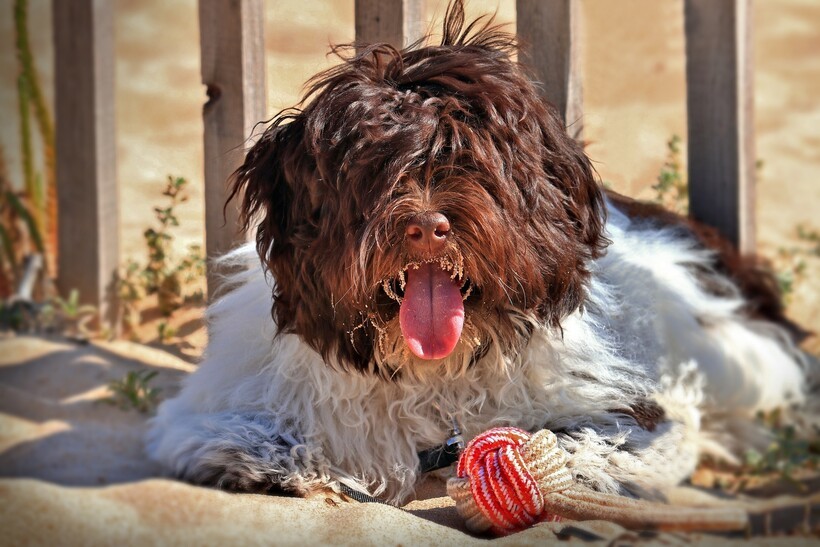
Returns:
(73, 472)
(72, 469)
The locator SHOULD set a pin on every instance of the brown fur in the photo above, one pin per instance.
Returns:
(457, 128)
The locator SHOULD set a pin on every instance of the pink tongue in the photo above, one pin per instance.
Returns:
(432, 312)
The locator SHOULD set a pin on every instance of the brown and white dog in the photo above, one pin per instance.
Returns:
(435, 249)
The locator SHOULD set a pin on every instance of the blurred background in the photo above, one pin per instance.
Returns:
(634, 110)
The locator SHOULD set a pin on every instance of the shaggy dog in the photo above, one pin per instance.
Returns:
(435, 250)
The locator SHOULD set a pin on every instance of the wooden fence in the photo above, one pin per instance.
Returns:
(718, 75)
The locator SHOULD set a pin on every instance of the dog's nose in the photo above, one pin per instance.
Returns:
(427, 232)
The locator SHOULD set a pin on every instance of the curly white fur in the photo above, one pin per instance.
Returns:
(265, 411)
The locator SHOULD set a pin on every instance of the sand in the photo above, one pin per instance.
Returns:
(73, 472)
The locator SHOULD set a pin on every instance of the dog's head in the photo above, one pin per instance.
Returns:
(423, 204)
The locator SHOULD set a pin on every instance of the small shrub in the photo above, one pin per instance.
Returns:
(129, 293)
(810, 236)
(67, 316)
(785, 455)
(162, 274)
(15, 316)
(165, 332)
(672, 188)
(20, 235)
(39, 190)
(133, 392)
(793, 262)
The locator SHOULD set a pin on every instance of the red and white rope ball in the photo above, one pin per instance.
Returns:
(502, 477)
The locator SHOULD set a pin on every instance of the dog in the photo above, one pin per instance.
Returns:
(434, 255)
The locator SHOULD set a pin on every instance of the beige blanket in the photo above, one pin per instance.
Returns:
(73, 472)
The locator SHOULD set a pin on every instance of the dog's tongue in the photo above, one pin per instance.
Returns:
(432, 312)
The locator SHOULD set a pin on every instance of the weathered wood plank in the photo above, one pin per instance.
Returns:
(88, 248)
(550, 33)
(719, 78)
(233, 70)
(397, 22)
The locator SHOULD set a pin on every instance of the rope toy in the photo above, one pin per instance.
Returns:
(507, 480)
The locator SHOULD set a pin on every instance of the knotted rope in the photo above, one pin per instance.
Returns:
(507, 480)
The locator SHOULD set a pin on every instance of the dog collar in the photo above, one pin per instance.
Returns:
(437, 457)
(443, 455)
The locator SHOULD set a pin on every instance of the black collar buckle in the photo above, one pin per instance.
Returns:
(443, 455)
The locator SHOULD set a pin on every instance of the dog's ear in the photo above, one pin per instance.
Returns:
(281, 193)
(262, 188)
(270, 186)
(576, 217)
(576, 179)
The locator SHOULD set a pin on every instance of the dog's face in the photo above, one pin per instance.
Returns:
(423, 205)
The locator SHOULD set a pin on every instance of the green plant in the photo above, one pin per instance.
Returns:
(810, 236)
(27, 216)
(165, 332)
(41, 194)
(19, 233)
(129, 293)
(162, 274)
(71, 308)
(68, 315)
(14, 316)
(133, 392)
(672, 188)
(786, 454)
(793, 262)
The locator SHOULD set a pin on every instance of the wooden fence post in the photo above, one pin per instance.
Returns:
(720, 102)
(397, 22)
(233, 69)
(87, 196)
(550, 31)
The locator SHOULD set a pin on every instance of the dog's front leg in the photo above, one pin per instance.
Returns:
(249, 452)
